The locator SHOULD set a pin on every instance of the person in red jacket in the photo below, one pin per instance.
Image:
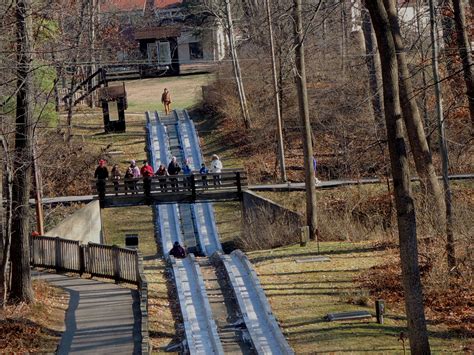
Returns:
(147, 172)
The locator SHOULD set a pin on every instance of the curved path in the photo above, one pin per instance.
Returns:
(102, 318)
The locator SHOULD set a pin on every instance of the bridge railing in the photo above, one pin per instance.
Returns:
(112, 262)
(192, 184)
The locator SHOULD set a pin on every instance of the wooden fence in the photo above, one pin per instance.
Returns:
(112, 262)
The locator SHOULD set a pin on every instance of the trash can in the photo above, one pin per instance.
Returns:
(131, 241)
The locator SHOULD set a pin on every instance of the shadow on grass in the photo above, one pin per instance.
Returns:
(258, 259)
(160, 334)
(229, 246)
(308, 272)
(279, 288)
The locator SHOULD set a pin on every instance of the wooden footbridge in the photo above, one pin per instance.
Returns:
(225, 186)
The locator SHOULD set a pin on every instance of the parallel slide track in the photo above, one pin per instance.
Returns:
(200, 328)
(204, 323)
(167, 215)
(203, 213)
(254, 307)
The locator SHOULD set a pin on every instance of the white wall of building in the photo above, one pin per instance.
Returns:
(212, 42)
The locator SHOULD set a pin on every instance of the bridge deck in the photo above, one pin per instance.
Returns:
(223, 186)
(139, 198)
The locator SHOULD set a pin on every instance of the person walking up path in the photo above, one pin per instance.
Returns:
(166, 101)
(102, 318)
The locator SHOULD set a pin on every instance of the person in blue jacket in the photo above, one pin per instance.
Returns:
(204, 171)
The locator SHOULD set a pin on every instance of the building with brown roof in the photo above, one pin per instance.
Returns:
(166, 34)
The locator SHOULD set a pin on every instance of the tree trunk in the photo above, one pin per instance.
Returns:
(465, 54)
(443, 147)
(21, 290)
(447, 25)
(6, 217)
(414, 124)
(276, 93)
(237, 71)
(300, 78)
(424, 96)
(374, 85)
(401, 180)
(74, 67)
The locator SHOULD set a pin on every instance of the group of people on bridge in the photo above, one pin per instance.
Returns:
(133, 174)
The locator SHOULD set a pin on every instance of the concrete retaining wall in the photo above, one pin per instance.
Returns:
(84, 225)
(267, 224)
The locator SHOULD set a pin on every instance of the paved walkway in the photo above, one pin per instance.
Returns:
(102, 318)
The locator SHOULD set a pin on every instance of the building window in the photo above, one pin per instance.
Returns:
(195, 50)
(164, 53)
(152, 52)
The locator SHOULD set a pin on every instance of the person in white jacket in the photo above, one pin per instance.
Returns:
(216, 167)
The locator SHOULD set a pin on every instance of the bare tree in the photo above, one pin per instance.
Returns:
(401, 178)
(465, 54)
(74, 67)
(300, 78)
(6, 214)
(236, 65)
(414, 124)
(21, 290)
(281, 148)
(374, 80)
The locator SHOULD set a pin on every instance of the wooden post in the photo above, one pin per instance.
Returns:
(193, 186)
(239, 183)
(304, 236)
(105, 112)
(137, 267)
(81, 249)
(90, 258)
(57, 251)
(116, 256)
(38, 191)
(380, 310)
(32, 251)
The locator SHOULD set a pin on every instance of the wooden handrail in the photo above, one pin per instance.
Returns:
(232, 180)
(113, 262)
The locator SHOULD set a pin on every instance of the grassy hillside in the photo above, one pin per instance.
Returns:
(301, 294)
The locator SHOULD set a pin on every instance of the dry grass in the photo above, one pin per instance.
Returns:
(130, 220)
(34, 328)
(214, 140)
(301, 294)
(352, 213)
(229, 223)
(185, 92)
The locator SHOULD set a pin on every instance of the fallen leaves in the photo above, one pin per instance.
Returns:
(36, 327)
(451, 305)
